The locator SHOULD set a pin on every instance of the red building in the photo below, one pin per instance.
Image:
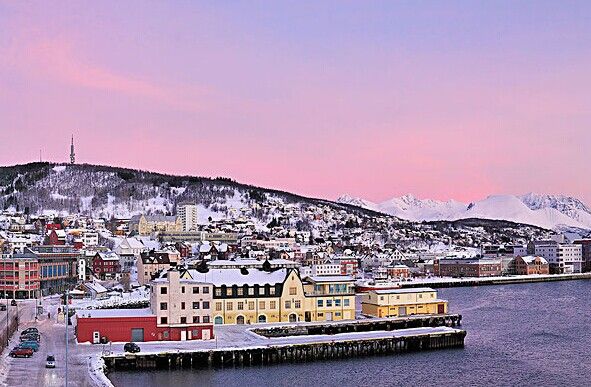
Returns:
(106, 265)
(476, 267)
(349, 267)
(398, 271)
(530, 265)
(56, 238)
(20, 278)
(137, 325)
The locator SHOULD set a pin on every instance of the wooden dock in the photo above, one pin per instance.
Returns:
(372, 340)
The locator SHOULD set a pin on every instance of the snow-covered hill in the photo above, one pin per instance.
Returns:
(547, 211)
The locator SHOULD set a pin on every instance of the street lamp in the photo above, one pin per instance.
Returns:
(67, 317)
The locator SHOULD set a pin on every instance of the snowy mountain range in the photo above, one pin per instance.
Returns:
(547, 211)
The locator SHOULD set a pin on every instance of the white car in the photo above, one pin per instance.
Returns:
(50, 362)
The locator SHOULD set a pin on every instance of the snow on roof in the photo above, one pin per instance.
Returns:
(108, 256)
(114, 313)
(529, 259)
(229, 277)
(404, 291)
(96, 287)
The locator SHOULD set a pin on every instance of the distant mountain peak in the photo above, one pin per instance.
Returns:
(543, 210)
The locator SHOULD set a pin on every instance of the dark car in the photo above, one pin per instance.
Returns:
(50, 362)
(31, 337)
(30, 330)
(2, 307)
(13, 302)
(21, 352)
(131, 347)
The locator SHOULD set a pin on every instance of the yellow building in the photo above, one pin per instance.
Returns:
(329, 298)
(402, 302)
(148, 224)
(249, 296)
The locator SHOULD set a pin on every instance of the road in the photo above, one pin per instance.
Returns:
(32, 370)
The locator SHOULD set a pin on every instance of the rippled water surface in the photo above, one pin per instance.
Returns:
(530, 334)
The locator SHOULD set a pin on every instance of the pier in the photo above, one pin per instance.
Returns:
(294, 344)
(481, 281)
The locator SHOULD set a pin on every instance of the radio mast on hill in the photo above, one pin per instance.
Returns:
(72, 154)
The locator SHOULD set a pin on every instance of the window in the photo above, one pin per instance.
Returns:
(196, 305)
(205, 290)
(329, 303)
(183, 320)
(165, 334)
(420, 296)
(273, 304)
(196, 319)
(205, 304)
(163, 320)
(287, 304)
(298, 304)
(337, 314)
(251, 291)
(320, 303)
(293, 291)
(240, 305)
(337, 302)
(229, 306)
(346, 302)
(261, 304)
(182, 289)
(240, 291)
(218, 292)
(251, 305)
(164, 290)
(163, 306)
(218, 306)
(182, 305)
(272, 291)
(206, 319)
(195, 289)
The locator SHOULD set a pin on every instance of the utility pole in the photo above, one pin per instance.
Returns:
(66, 309)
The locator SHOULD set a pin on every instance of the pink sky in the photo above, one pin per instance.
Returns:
(458, 102)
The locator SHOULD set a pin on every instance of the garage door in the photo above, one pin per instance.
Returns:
(137, 334)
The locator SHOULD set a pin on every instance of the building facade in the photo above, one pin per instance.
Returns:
(19, 278)
(402, 302)
(487, 267)
(187, 212)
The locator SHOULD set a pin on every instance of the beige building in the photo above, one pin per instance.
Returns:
(182, 304)
(187, 212)
(329, 298)
(153, 262)
(402, 302)
(149, 224)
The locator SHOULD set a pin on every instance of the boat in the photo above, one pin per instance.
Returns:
(365, 285)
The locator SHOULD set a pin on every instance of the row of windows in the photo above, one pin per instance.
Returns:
(196, 305)
(329, 303)
(204, 289)
(54, 271)
(196, 320)
(251, 305)
(251, 291)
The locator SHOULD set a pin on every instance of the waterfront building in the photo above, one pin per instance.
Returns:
(585, 253)
(529, 265)
(468, 267)
(402, 302)
(183, 306)
(329, 298)
(398, 271)
(562, 257)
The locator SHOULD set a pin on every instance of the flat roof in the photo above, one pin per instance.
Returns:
(114, 313)
(403, 291)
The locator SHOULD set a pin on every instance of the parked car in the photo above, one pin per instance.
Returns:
(3, 307)
(50, 362)
(31, 337)
(30, 330)
(29, 344)
(131, 347)
(13, 302)
(21, 352)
